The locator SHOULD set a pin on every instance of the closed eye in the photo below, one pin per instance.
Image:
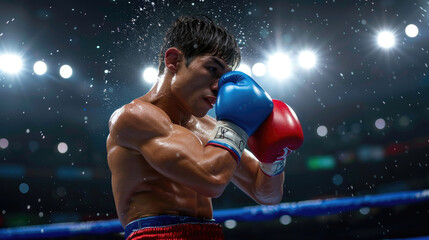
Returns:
(213, 71)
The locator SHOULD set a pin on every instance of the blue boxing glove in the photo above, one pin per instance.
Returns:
(241, 107)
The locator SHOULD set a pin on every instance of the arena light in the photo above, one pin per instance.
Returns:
(10, 63)
(307, 59)
(24, 188)
(285, 219)
(365, 210)
(386, 39)
(230, 223)
(259, 69)
(380, 123)
(4, 143)
(337, 179)
(411, 30)
(40, 68)
(245, 68)
(279, 66)
(62, 147)
(66, 71)
(322, 131)
(322, 162)
(150, 75)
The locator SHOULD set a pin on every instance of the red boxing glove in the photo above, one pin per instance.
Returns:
(277, 137)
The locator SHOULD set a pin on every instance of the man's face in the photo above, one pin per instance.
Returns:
(195, 86)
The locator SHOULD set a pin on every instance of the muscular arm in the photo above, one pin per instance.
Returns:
(252, 181)
(260, 187)
(172, 150)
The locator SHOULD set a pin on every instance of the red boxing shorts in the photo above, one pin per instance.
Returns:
(174, 228)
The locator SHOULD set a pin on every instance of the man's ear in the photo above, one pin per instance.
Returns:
(173, 58)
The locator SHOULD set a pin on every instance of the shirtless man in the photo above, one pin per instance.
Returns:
(168, 159)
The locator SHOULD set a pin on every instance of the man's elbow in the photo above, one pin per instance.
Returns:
(269, 201)
(215, 188)
(269, 198)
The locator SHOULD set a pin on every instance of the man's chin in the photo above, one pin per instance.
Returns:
(201, 112)
(200, 115)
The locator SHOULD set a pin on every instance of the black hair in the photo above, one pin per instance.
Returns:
(199, 35)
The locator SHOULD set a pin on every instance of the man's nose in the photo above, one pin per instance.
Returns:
(215, 86)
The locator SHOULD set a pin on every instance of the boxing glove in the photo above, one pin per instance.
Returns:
(277, 137)
(241, 106)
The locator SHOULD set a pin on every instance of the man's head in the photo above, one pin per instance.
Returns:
(196, 36)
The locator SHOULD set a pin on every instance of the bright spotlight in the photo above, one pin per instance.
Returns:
(245, 68)
(66, 71)
(10, 63)
(4, 143)
(40, 68)
(279, 66)
(322, 131)
(62, 147)
(285, 219)
(411, 30)
(259, 69)
(307, 59)
(150, 75)
(380, 123)
(386, 39)
(230, 224)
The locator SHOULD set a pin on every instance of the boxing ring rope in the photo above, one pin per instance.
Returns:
(253, 213)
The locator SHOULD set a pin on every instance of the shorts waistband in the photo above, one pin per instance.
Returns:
(162, 221)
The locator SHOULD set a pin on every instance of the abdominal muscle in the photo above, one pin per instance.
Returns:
(140, 191)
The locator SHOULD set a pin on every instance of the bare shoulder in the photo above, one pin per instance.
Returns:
(137, 121)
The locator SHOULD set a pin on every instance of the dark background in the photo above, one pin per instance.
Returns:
(109, 43)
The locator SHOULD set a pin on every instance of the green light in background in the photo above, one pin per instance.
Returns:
(321, 162)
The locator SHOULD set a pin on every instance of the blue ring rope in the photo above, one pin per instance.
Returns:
(253, 213)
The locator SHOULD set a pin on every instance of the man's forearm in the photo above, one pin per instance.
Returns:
(269, 190)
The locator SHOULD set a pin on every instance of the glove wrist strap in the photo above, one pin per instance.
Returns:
(229, 136)
(278, 166)
(274, 168)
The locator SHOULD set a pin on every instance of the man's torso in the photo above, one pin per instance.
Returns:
(139, 190)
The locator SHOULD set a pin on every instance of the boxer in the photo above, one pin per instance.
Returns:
(168, 159)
